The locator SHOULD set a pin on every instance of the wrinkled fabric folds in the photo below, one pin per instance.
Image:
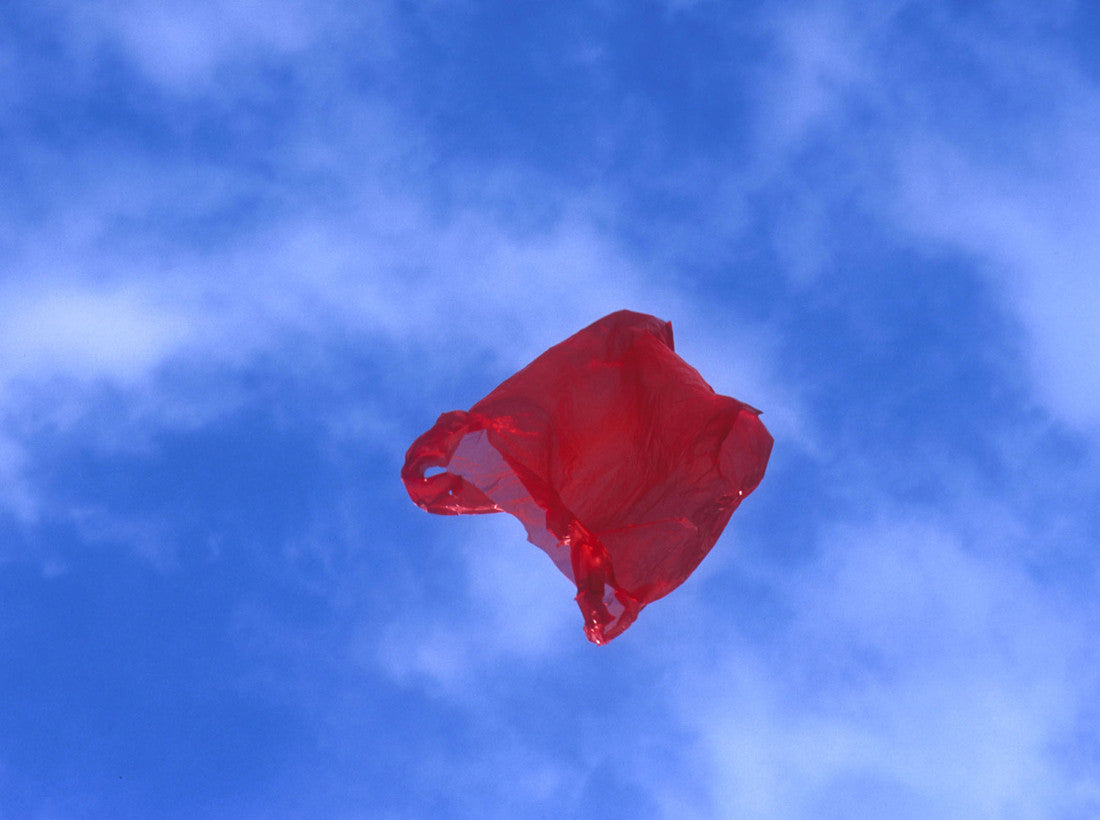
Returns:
(621, 462)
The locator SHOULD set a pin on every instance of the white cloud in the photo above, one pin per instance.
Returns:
(75, 336)
(131, 293)
(452, 293)
(518, 607)
(87, 332)
(1038, 234)
(916, 672)
(816, 65)
(189, 46)
(930, 154)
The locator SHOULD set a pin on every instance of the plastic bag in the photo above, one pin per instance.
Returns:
(620, 460)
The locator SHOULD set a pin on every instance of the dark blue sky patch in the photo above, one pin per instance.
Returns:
(163, 722)
(250, 483)
(587, 93)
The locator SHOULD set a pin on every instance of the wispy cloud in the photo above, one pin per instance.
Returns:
(117, 335)
(933, 154)
(125, 304)
(519, 610)
(914, 673)
(196, 49)
(234, 293)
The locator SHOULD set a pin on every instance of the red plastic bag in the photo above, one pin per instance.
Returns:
(620, 460)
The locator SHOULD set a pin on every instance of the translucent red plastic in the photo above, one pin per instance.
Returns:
(620, 460)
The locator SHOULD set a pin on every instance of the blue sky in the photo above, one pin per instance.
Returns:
(248, 252)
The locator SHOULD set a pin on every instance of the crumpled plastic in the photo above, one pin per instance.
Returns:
(621, 462)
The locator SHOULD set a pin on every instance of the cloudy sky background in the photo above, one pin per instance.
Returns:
(249, 251)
